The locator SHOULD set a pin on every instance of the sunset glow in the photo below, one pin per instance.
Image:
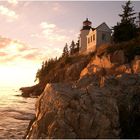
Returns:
(69, 69)
(19, 63)
(16, 76)
(32, 32)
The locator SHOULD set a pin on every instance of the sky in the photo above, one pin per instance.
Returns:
(34, 31)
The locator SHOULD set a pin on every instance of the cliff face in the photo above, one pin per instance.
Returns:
(85, 110)
(65, 70)
(103, 103)
(112, 64)
(64, 111)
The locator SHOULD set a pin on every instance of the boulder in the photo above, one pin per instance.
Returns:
(32, 91)
(136, 64)
(125, 68)
(73, 71)
(96, 65)
(103, 61)
(118, 57)
(86, 110)
(66, 112)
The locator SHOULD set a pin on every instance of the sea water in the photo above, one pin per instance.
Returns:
(15, 113)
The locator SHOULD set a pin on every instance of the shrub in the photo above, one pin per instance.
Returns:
(131, 48)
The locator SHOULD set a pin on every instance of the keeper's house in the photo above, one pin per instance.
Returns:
(91, 38)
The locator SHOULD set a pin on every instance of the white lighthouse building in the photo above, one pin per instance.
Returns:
(83, 35)
(91, 38)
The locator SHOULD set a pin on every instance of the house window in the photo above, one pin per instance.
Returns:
(103, 37)
(93, 37)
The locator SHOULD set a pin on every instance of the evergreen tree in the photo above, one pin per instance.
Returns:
(126, 30)
(77, 47)
(72, 48)
(138, 24)
(65, 51)
(128, 13)
(40, 73)
(138, 20)
(45, 68)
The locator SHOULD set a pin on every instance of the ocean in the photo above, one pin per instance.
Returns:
(15, 113)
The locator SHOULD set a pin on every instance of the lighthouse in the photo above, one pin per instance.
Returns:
(83, 34)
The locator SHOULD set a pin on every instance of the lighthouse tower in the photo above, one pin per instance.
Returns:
(83, 34)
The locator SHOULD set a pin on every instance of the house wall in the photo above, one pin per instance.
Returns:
(91, 41)
(103, 34)
(88, 43)
(83, 40)
(101, 39)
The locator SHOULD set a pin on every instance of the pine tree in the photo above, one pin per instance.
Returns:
(128, 13)
(47, 66)
(72, 48)
(65, 51)
(77, 46)
(40, 73)
(138, 20)
(138, 24)
(126, 30)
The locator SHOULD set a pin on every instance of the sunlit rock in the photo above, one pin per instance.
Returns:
(136, 64)
(118, 57)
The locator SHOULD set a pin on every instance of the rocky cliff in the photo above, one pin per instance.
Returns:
(103, 103)
(66, 69)
(86, 110)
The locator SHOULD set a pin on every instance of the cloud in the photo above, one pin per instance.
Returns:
(30, 56)
(4, 42)
(51, 32)
(14, 2)
(36, 35)
(3, 54)
(53, 38)
(9, 14)
(46, 25)
(14, 51)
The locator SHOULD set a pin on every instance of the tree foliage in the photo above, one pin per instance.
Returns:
(128, 13)
(48, 65)
(45, 68)
(74, 47)
(65, 51)
(71, 50)
(126, 29)
(77, 47)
